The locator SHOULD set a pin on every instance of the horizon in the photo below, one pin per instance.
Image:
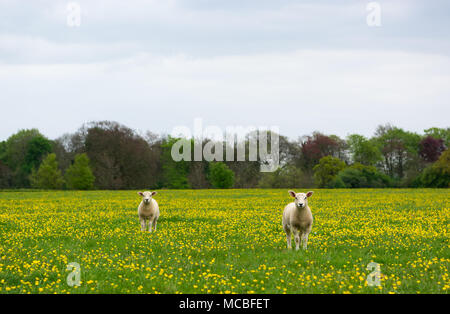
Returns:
(142, 133)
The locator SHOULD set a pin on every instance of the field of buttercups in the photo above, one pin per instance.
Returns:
(224, 241)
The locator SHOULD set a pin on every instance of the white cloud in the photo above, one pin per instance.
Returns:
(37, 50)
(312, 65)
(334, 91)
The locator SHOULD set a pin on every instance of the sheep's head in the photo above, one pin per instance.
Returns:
(147, 196)
(301, 199)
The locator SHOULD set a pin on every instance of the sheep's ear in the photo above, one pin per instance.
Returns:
(292, 193)
(154, 193)
(309, 194)
(141, 194)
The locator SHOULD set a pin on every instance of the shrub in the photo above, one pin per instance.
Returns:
(338, 183)
(48, 176)
(361, 176)
(220, 176)
(438, 174)
(79, 175)
(283, 177)
(352, 178)
(326, 170)
(174, 173)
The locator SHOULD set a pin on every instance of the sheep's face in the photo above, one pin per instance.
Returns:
(147, 196)
(301, 199)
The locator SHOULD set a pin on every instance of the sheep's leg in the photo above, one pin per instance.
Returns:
(297, 240)
(154, 225)
(149, 225)
(142, 221)
(305, 241)
(287, 230)
(288, 240)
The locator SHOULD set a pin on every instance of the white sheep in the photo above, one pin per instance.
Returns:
(298, 219)
(148, 210)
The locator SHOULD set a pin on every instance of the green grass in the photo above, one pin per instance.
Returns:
(221, 241)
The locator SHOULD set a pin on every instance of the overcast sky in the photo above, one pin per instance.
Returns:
(154, 65)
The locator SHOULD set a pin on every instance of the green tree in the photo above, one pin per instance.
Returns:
(38, 147)
(361, 176)
(48, 176)
(287, 176)
(23, 152)
(438, 174)
(174, 173)
(440, 133)
(5, 176)
(399, 149)
(362, 150)
(2, 151)
(220, 176)
(326, 170)
(79, 175)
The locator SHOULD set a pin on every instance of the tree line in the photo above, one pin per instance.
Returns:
(108, 155)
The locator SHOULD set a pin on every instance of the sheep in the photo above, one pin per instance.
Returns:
(148, 210)
(298, 219)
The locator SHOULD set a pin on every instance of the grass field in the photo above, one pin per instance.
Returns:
(224, 241)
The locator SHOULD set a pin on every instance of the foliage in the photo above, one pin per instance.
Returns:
(438, 174)
(431, 148)
(325, 172)
(284, 177)
(398, 148)
(48, 176)
(79, 175)
(23, 152)
(174, 173)
(220, 176)
(316, 147)
(5, 176)
(123, 158)
(363, 151)
(120, 158)
(362, 176)
(440, 133)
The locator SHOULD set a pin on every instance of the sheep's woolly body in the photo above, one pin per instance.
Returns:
(148, 213)
(297, 221)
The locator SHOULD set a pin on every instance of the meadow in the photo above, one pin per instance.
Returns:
(224, 241)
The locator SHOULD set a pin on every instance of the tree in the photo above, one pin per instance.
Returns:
(438, 174)
(5, 176)
(431, 148)
(352, 178)
(398, 148)
(362, 150)
(48, 176)
(174, 173)
(440, 133)
(79, 175)
(198, 172)
(120, 158)
(38, 147)
(23, 152)
(326, 170)
(361, 176)
(220, 176)
(64, 156)
(341, 149)
(287, 176)
(2, 150)
(318, 146)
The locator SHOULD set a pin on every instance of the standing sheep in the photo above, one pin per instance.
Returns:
(148, 210)
(298, 219)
